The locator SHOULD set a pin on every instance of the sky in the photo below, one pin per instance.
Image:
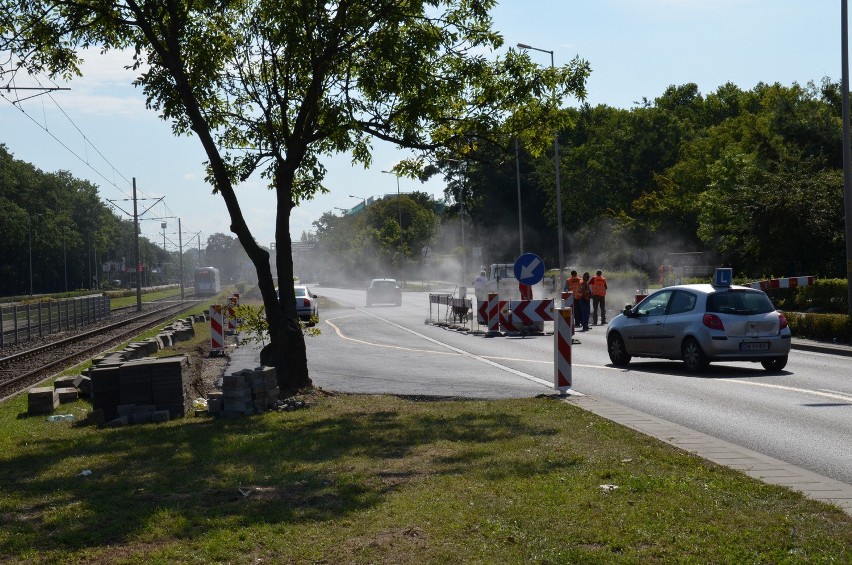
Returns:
(100, 130)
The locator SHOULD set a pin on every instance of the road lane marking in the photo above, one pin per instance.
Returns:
(453, 350)
(829, 394)
(340, 334)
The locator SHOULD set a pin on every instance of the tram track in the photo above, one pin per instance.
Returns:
(25, 368)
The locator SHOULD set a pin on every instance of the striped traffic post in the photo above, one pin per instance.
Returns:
(217, 339)
(562, 350)
(493, 314)
(232, 316)
(568, 302)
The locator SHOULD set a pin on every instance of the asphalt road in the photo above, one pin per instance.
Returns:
(802, 415)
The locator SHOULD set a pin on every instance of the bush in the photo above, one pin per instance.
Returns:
(823, 327)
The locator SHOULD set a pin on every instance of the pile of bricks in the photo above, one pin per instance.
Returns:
(42, 400)
(162, 383)
(244, 393)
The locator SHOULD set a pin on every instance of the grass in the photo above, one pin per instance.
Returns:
(379, 479)
(121, 301)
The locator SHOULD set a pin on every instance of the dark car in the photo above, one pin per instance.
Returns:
(700, 323)
(384, 291)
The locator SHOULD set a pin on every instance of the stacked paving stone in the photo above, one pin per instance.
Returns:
(244, 393)
(42, 400)
(114, 380)
(162, 384)
(65, 389)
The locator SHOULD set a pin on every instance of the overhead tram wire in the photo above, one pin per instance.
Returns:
(17, 104)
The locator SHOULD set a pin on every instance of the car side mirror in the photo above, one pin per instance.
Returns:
(628, 310)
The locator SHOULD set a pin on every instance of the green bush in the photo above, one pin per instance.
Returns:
(823, 327)
(825, 295)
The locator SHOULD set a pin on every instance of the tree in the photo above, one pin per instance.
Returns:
(289, 83)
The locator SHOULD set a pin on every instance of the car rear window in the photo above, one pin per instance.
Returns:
(743, 302)
(384, 284)
(299, 291)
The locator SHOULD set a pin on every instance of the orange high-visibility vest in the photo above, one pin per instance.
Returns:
(574, 284)
(597, 284)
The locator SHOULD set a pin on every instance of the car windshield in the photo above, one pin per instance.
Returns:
(384, 284)
(742, 302)
(300, 291)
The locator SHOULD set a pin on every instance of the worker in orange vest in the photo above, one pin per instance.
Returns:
(572, 285)
(598, 287)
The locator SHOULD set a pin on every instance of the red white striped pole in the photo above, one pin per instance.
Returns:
(562, 350)
(232, 317)
(493, 314)
(217, 339)
(568, 302)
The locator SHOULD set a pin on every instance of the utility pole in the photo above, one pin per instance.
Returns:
(847, 146)
(180, 248)
(136, 245)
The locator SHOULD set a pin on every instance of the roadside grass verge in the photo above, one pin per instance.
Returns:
(381, 479)
(121, 301)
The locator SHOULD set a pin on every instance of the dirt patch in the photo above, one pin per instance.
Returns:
(206, 370)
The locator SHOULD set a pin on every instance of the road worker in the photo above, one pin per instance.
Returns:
(598, 286)
(572, 285)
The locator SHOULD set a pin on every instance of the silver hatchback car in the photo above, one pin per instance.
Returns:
(700, 323)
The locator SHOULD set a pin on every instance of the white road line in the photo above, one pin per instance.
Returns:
(827, 394)
(454, 350)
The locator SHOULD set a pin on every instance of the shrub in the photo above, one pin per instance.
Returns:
(823, 327)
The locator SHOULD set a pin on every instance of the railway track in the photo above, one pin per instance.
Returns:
(23, 369)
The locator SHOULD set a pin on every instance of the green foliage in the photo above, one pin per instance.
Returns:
(253, 326)
(825, 295)
(822, 327)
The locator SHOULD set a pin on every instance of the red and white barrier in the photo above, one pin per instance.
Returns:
(562, 350)
(518, 315)
(233, 302)
(217, 339)
(493, 314)
(790, 282)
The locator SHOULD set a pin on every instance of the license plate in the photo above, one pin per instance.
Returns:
(755, 346)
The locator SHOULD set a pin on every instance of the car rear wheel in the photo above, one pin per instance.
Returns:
(693, 356)
(617, 352)
(775, 364)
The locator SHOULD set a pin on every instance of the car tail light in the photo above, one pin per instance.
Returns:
(307, 302)
(713, 322)
(782, 320)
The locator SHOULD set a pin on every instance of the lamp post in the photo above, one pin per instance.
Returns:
(520, 216)
(362, 199)
(399, 212)
(558, 182)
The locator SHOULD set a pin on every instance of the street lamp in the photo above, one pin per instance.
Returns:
(558, 184)
(399, 211)
(364, 200)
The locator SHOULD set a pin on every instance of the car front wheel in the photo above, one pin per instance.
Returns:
(775, 364)
(617, 351)
(693, 356)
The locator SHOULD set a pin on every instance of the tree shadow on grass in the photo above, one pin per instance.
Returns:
(194, 477)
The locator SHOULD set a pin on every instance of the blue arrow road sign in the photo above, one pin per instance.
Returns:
(529, 268)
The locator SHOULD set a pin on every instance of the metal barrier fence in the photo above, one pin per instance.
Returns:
(25, 322)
